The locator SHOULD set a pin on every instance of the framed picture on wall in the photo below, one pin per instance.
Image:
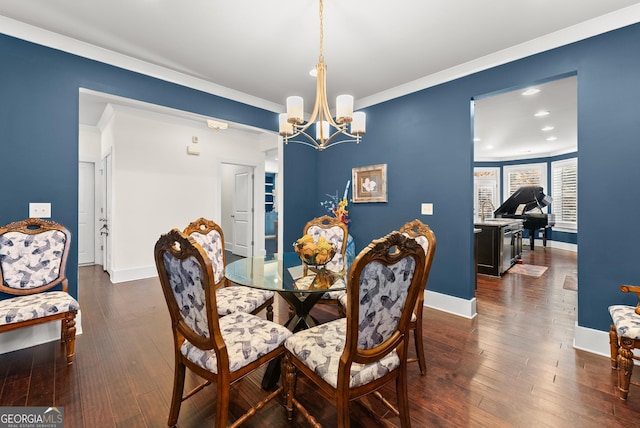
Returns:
(369, 183)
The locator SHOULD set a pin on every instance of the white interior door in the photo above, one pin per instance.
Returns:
(86, 213)
(106, 213)
(243, 212)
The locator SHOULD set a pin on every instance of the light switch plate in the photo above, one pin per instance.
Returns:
(40, 209)
(426, 209)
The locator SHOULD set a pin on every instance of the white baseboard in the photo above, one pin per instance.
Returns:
(35, 335)
(453, 305)
(124, 275)
(591, 340)
(554, 244)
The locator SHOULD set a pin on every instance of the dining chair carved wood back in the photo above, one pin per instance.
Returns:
(221, 350)
(354, 356)
(336, 232)
(230, 298)
(33, 259)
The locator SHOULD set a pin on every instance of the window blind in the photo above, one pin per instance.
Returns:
(564, 181)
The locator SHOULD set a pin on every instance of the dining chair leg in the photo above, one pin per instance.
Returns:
(178, 389)
(417, 336)
(222, 403)
(289, 383)
(403, 398)
(270, 312)
(343, 411)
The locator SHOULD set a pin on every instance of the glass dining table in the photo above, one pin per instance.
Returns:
(283, 273)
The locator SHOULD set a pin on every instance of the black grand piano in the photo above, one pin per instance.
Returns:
(526, 203)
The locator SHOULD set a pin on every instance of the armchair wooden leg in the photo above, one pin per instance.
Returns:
(613, 343)
(69, 334)
(625, 370)
(222, 403)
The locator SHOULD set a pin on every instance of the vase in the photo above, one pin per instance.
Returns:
(324, 278)
(350, 252)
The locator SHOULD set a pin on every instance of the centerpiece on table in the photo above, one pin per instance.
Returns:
(316, 255)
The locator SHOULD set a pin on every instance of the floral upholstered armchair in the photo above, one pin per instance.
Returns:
(33, 258)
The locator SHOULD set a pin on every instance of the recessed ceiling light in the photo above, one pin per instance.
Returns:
(313, 72)
(542, 113)
(531, 91)
(548, 128)
(476, 139)
(214, 124)
(489, 147)
(552, 138)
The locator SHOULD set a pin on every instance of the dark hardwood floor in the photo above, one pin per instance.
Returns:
(513, 365)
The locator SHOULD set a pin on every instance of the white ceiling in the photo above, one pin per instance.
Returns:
(259, 52)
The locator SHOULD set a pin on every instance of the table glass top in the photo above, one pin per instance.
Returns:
(280, 272)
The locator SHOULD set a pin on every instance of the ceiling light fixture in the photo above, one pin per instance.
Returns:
(548, 128)
(531, 91)
(214, 124)
(292, 123)
(552, 138)
(542, 113)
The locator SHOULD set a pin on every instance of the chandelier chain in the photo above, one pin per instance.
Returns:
(321, 57)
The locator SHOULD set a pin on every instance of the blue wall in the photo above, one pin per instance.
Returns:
(39, 126)
(425, 138)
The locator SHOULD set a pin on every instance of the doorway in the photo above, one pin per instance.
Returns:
(237, 146)
(529, 136)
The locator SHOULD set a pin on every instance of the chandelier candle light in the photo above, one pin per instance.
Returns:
(292, 123)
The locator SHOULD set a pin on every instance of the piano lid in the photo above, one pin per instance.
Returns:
(530, 196)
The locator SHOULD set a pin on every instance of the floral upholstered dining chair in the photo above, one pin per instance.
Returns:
(33, 259)
(427, 240)
(221, 350)
(230, 298)
(353, 356)
(336, 232)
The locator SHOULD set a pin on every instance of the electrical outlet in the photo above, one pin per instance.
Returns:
(40, 209)
(194, 139)
(426, 209)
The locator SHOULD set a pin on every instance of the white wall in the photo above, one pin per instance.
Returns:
(157, 186)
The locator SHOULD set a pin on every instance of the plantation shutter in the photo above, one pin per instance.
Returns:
(564, 180)
(523, 177)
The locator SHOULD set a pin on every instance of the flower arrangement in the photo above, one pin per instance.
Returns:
(338, 207)
(314, 253)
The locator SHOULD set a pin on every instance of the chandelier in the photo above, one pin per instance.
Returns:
(328, 130)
